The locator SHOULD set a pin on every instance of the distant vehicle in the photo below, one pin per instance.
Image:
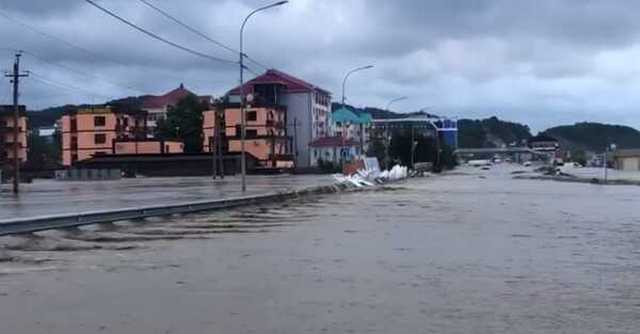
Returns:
(479, 163)
(527, 164)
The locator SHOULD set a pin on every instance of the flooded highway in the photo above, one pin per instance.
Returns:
(468, 252)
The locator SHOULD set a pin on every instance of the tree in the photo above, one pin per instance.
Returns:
(184, 122)
(377, 149)
(43, 154)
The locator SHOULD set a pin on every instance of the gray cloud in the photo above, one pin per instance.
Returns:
(539, 62)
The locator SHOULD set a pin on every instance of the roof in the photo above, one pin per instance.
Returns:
(627, 153)
(103, 109)
(541, 138)
(345, 115)
(333, 142)
(272, 76)
(348, 114)
(169, 99)
(6, 109)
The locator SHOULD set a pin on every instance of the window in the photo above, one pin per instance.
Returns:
(74, 125)
(99, 121)
(252, 133)
(252, 116)
(74, 158)
(99, 153)
(100, 138)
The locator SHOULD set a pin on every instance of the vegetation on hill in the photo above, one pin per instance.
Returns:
(490, 132)
(594, 137)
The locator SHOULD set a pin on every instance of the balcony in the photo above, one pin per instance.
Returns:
(274, 124)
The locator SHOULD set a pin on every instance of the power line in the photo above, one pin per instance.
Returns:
(66, 86)
(186, 26)
(198, 32)
(70, 69)
(93, 54)
(158, 37)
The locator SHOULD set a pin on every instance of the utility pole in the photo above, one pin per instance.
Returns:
(15, 79)
(295, 142)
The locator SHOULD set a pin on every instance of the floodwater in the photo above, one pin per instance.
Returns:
(469, 252)
(51, 197)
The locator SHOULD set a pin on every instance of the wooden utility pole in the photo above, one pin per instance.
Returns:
(15, 79)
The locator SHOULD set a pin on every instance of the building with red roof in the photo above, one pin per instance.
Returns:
(307, 108)
(158, 106)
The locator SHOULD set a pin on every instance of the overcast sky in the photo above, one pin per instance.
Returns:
(543, 62)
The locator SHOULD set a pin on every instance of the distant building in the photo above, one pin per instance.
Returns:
(426, 124)
(48, 133)
(7, 141)
(157, 107)
(545, 144)
(353, 124)
(336, 149)
(307, 109)
(108, 130)
(627, 159)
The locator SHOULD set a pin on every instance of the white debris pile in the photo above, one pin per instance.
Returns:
(371, 177)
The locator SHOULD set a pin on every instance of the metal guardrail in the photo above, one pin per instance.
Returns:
(35, 224)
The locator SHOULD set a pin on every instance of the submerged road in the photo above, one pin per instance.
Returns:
(50, 197)
(469, 252)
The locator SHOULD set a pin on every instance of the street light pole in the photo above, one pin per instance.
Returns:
(243, 127)
(394, 101)
(344, 81)
(435, 127)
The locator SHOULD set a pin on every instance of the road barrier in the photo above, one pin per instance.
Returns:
(36, 224)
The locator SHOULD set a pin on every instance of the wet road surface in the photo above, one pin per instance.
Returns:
(50, 197)
(463, 253)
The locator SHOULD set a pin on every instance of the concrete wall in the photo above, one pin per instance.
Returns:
(148, 147)
(628, 163)
(299, 107)
(259, 148)
(208, 128)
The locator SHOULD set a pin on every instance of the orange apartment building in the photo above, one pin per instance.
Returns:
(108, 130)
(266, 134)
(7, 127)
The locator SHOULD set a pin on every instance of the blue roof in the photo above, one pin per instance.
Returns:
(346, 114)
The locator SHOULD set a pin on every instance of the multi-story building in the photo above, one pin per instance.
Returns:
(157, 107)
(307, 109)
(92, 131)
(351, 123)
(7, 134)
(266, 136)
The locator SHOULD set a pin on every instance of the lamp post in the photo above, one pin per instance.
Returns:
(437, 129)
(243, 132)
(344, 81)
(611, 147)
(394, 101)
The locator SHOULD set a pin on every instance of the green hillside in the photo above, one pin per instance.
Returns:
(490, 132)
(595, 136)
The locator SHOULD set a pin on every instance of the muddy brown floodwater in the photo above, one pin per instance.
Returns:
(470, 252)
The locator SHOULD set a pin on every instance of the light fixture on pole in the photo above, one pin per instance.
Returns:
(344, 81)
(243, 132)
